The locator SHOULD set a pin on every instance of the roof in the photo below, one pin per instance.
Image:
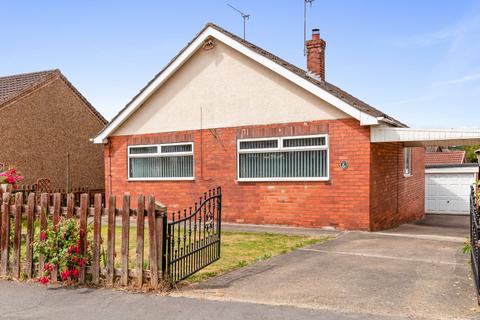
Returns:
(328, 91)
(11, 86)
(445, 157)
(15, 87)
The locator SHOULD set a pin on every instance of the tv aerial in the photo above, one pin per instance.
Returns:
(305, 24)
(245, 18)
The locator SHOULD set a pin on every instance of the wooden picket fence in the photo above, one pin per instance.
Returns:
(17, 209)
(75, 192)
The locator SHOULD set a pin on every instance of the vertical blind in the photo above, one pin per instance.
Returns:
(290, 158)
(161, 161)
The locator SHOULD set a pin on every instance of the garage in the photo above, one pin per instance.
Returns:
(447, 188)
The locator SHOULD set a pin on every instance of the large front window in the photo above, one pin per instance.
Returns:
(302, 158)
(161, 162)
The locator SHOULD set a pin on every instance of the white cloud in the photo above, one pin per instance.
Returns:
(455, 34)
(467, 78)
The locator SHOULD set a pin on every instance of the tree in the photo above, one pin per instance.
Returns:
(470, 155)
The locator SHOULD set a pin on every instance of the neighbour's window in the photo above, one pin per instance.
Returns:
(407, 161)
(283, 159)
(161, 162)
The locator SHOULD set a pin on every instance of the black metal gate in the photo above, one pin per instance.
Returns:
(474, 237)
(193, 237)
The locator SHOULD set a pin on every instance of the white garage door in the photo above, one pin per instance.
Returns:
(448, 192)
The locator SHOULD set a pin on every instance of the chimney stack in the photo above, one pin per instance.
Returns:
(316, 54)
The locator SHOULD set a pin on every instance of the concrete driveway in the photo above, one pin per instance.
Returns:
(417, 271)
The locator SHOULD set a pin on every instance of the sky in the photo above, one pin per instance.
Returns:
(418, 61)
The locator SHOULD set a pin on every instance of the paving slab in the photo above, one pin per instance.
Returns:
(440, 225)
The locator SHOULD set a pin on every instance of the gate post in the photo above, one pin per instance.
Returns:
(161, 237)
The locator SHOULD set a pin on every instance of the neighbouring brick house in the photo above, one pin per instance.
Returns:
(286, 146)
(444, 156)
(42, 118)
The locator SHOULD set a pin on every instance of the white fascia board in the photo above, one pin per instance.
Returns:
(425, 137)
(174, 66)
(459, 169)
(365, 119)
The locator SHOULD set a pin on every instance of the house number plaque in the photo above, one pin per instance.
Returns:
(344, 164)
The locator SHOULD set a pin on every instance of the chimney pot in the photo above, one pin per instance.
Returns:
(316, 54)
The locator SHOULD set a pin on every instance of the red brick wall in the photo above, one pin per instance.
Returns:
(394, 198)
(343, 202)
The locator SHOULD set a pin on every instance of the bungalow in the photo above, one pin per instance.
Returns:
(45, 127)
(286, 146)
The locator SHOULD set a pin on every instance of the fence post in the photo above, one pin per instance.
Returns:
(125, 238)
(153, 242)
(97, 229)
(43, 225)
(111, 241)
(29, 239)
(5, 234)
(84, 202)
(57, 199)
(70, 205)
(17, 235)
(140, 239)
(161, 233)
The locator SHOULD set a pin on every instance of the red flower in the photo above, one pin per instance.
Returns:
(82, 262)
(48, 267)
(43, 236)
(43, 280)
(75, 273)
(65, 275)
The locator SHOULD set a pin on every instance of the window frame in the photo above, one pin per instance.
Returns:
(159, 153)
(407, 165)
(281, 148)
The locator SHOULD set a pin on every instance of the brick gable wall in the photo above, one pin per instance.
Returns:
(342, 202)
(395, 199)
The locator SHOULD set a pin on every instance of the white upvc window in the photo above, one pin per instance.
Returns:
(295, 158)
(172, 161)
(407, 162)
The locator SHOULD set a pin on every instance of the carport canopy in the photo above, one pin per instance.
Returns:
(425, 137)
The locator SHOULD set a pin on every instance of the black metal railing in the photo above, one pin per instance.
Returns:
(193, 237)
(474, 238)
